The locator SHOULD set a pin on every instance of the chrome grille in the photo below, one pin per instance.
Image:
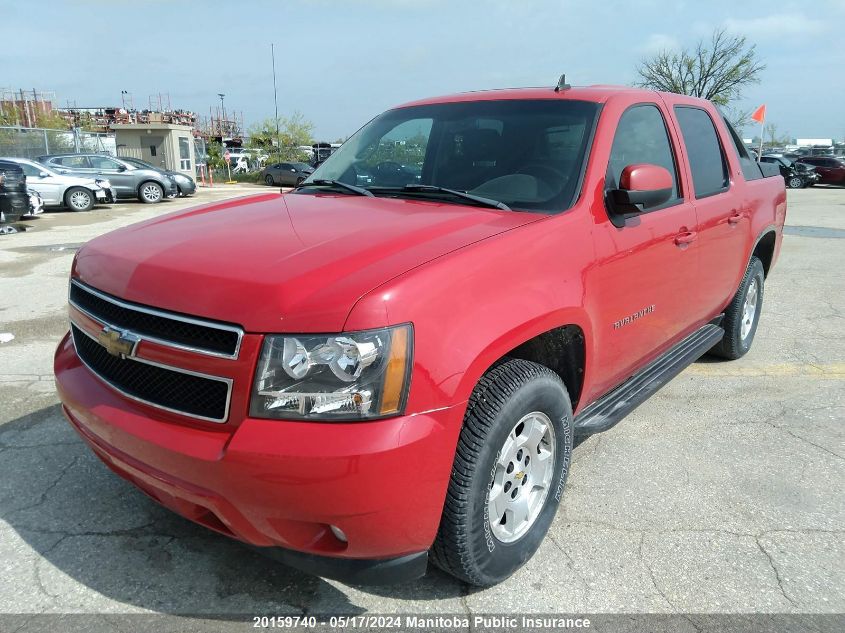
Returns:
(166, 328)
(177, 390)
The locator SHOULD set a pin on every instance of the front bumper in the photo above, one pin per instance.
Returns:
(186, 187)
(281, 485)
(104, 195)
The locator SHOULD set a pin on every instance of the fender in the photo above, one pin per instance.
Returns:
(770, 229)
(490, 297)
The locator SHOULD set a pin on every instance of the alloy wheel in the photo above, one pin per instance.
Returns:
(522, 477)
(80, 200)
(151, 192)
(749, 309)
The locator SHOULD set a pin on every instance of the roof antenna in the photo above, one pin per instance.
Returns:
(561, 84)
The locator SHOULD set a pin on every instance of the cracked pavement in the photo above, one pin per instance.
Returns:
(722, 494)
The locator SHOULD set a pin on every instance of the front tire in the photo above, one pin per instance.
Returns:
(795, 182)
(150, 192)
(79, 199)
(510, 468)
(743, 314)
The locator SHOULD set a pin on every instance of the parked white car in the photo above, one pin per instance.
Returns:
(61, 190)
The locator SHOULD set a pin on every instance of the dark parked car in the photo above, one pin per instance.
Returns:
(127, 180)
(831, 170)
(287, 174)
(14, 195)
(795, 176)
(185, 184)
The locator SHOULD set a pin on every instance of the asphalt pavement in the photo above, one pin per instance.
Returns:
(722, 494)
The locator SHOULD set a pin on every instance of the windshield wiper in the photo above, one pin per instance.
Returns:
(321, 182)
(487, 202)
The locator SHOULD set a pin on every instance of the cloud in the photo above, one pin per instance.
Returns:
(657, 42)
(776, 25)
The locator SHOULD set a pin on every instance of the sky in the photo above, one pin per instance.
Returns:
(341, 62)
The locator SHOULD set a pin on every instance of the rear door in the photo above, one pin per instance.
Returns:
(723, 209)
(642, 286)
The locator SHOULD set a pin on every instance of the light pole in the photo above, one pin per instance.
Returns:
(123, 94)
(276, 100)
(222, 107)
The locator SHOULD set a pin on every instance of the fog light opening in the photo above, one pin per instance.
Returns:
(338, 533)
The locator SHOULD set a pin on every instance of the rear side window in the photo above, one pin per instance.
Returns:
(707, 162)
(750, 168)
(641, 137)
(73, 161)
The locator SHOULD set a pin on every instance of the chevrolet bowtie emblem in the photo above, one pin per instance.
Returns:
(118, 342)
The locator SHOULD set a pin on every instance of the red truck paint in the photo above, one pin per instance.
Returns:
(474, 282)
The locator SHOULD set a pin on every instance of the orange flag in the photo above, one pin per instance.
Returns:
(759, 114)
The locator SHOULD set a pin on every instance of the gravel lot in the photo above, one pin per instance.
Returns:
(722, 494)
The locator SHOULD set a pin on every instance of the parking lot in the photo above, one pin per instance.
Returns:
(723, 493)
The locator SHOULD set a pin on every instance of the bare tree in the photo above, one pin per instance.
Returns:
(772, 130)
(717, 69)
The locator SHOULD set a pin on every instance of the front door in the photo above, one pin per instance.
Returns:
(47, 184)
(152, 150)
(641, 288)
(119, 175)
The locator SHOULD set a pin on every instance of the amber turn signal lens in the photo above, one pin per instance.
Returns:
(395, 376)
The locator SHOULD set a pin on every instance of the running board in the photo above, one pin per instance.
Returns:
(615, 405)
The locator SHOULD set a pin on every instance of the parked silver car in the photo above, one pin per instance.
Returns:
(127, 180)
(62, 190)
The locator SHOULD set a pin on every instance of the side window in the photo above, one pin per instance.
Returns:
(78, 162)
(641, 137)
(30, 171)
(707, 162)
(750, 168)
(100, 162)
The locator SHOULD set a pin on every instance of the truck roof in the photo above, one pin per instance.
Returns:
(596, 93)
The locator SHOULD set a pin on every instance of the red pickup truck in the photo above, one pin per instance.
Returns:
(390, 362)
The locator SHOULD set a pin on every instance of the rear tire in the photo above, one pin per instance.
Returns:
(517, 431)
(150, 192)
(743, 314)
(299, 181)
(269, 180)
(79, 199)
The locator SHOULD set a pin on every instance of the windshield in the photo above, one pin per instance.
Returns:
(527, 154)
(301, 166)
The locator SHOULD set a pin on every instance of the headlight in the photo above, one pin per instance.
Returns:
(105, 184)
(352, 376)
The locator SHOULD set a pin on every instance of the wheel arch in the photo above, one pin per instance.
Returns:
(559, 342)
(764, 248)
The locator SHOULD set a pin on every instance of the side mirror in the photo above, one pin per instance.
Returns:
(121, 168)
(641, 186)
(43, 174)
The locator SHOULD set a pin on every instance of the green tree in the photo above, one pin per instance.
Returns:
(293, 132)
(718, 69)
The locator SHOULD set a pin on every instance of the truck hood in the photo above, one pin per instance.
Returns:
(281, 263)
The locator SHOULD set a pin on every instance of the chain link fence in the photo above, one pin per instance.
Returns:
(21, 142)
